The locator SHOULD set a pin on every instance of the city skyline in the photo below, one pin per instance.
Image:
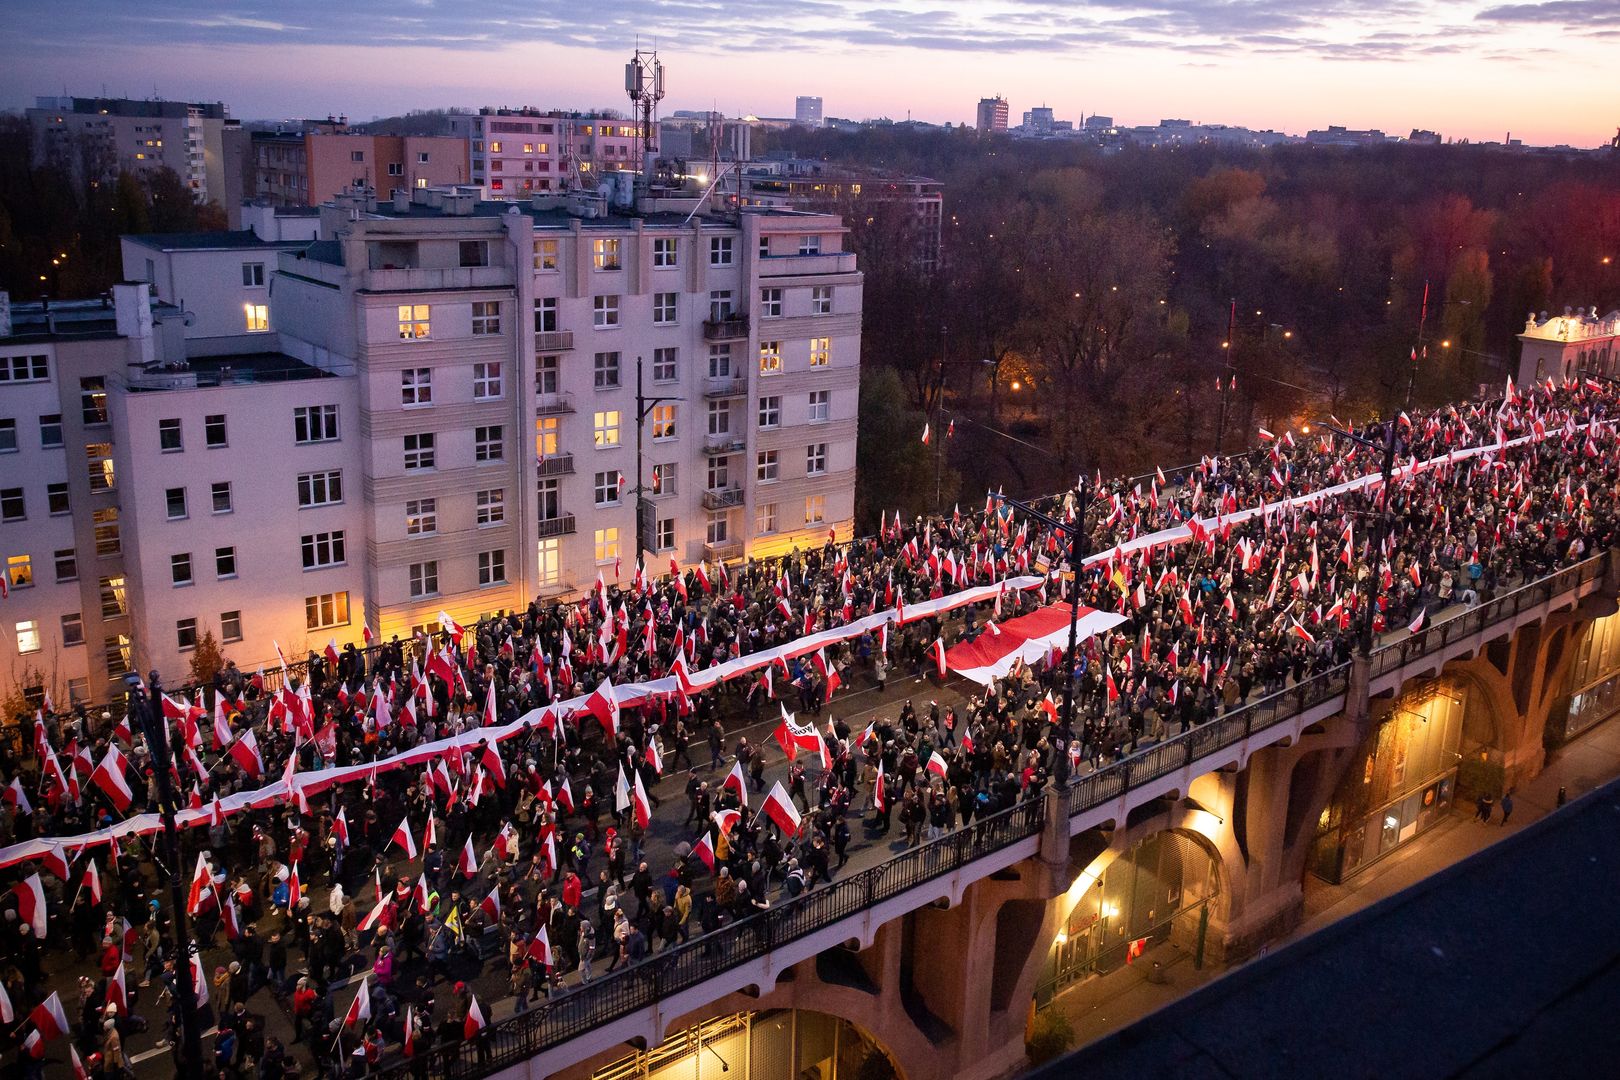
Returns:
(1475, 71)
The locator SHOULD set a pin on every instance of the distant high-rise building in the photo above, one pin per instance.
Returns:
(807, 110)
(1038, 121)
(109, 135)
(1099, 123)
(992, 114)
(516, 153)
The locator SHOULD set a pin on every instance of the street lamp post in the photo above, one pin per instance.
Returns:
(1076, 534)
(146, 712)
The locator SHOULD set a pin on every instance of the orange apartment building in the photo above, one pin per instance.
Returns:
(310, 168)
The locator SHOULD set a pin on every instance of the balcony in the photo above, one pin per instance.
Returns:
(555, 465)
(561, 525)
(725, 549)
(433, 279)
(732, 386)
(831, 262)
(553, 404)
(731, 328)
(720, 498)
(724, 443)
(553, 341)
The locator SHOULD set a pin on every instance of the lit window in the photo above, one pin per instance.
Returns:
(326, 610)
(770, 358)
(28, 636)
(93, 400)
(605, 254)
(606, 425)
(820, 351)
(607, 544)
(116, 650)
(257, 317)
(20, 571)
(108, 539)
(113, 599)
(815, 509)
(547, 430)
(414, 321)
(545, 255)
(663, 422)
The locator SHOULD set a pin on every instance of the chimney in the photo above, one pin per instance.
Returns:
(132, 314)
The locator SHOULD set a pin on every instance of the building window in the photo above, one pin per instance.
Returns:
(415, 322)
(230, 626)
(809, 244)
(607, 544)
(50, 431)
(73, 629)
(16, 369)
(547, 430)
(607, 486)
(225, 562)
(820, 351)
(175, 500)
(357, 155)
(719, 526)
(320, 488)
(93, 400)
(13, 506)
(214, 430)
(419, 451)
(605, 254)
(424, 577)
(489, 443)
(28, 636)
(416, 387)
(664, 534)
(665, 253)
(666, 366)
(486, 317)
(56, 500)
(474, 253)
(605, 371)
(396, 168)
(253, 275)
(326, 610)
(820, 406)
(815, 509)
(112, 597)
(548, 499)
(604, 312)
(720, 251)
(663, 479)
(549, 553)
(770, 411)
(185, 634)
(770, 358)
(492, 567)
(256, 317)
(315, 423)
(220, 493)
(663, 422)
(67, 565)
(99, 466)
(20, 571)
(719, 418)
(491, 506)
(770, 303)
(720, 305)
(765, 468)
(421, 517)
(719, 473)
(719, 361)
(765, 518)
(323, 549)
(8, 436)
(180, 568)
(545, 255)
(764, 247)
(815, 459)
(108, 539)
(116, 650)
(169, 441)
(545, 315)
(487, 381)
(821, 300)
(606, 426)
(664, 308)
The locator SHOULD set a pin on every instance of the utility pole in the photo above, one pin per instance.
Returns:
(1224, 379)
(146, 712)
(1418, 349)
(646, 534)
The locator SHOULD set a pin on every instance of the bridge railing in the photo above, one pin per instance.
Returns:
(579, 1009)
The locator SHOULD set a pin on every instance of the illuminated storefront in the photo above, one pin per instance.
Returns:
(779, 1043)
(1594, 683)
(1159, 889)
(1402, 782)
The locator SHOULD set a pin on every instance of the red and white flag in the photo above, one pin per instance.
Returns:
(375, 913)
(780, 809)
(91, 883)
(79, 1071)
(118, 990)
(736, 781)
(880, 795)
(245, 752)
(340, 825)
(8, 1015)
(1416, 624)
(109, 777)
(14, 795)
(31, 905)
(638, 799)
(540, 947)
(199, 979)
(360, 1008)
(49, 1019)
(491, 904)
(937, 651)
(404, 839)
(604, 705)
(201, 882)
(475, 1021)
(704, 850)
(726, 820)
(468, 863)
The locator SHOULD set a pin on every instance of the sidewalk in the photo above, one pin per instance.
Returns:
(1101, 1006)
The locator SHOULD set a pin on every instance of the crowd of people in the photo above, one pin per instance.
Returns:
(534, 856)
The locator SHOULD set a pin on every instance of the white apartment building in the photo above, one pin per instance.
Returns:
(516, 153)
(442, 415)
(104, 135)
(221, 280)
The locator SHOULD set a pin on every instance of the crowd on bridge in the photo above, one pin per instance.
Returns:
(356, 819)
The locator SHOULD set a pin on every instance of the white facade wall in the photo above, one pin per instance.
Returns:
(224, 290)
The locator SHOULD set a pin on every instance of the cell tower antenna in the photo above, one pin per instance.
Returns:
(644, 83)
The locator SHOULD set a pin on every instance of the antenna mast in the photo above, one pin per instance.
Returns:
(644, 83)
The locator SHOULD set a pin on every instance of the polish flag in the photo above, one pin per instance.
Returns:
(199, 979)
(360, 1007)
(1416, 624)
(468, 863)
(91, 882)
(14, 795)
(1299, 631)
(704, 850)
(55, 861)
(604, 705)
(295, 891)
(410, 1031)
(332, 651)
(118, 990)
(31, 906)
(222, 725)
(736, 781)
(201, 880)
(726, 820)
(49, 1019)
(455, 629)
(638, 797)
(540, 947)
(506, 842)
(936, 764)
(375, 913)
(880, 794)
(403, 838)
(937, 651)
(340, 825)
(489, 705)
(475, 1018)
(491, 904)
(780, 809)
(245, 752)
(925, 434)
(79, 1071)
(109, 777)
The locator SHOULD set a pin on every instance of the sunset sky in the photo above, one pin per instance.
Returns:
(1544, 71)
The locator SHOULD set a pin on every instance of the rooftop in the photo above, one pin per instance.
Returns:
(41, 321)
(228, 240)
(1578, 325)
(238, 369)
